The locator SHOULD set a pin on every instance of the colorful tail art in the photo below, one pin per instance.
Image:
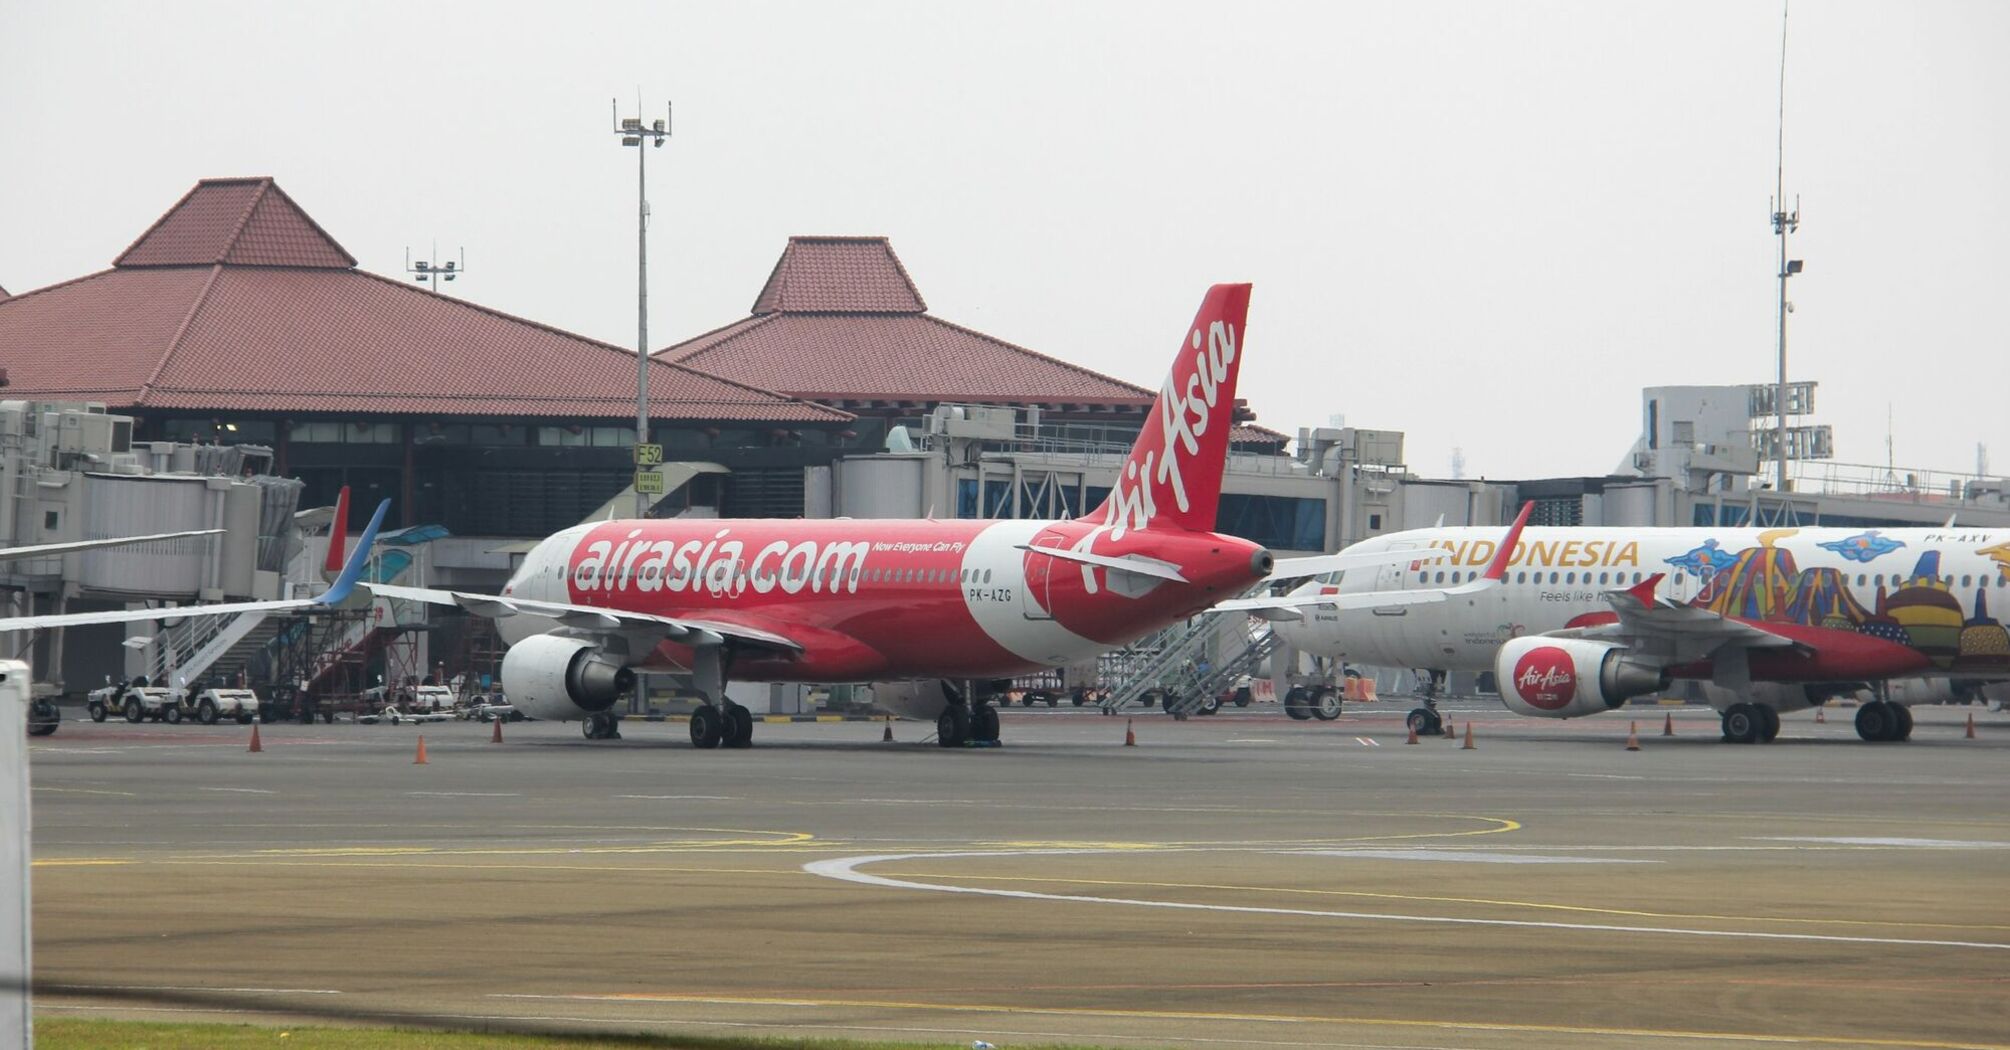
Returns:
(1173, 476)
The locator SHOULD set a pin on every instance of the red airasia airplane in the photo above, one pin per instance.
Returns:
(932, 613)
(914, 607)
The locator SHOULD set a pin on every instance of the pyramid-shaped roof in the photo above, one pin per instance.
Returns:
(841, 322)
(242, 222)
(851, 275)
(237, 301)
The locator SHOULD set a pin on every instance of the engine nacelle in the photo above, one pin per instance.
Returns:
(558, 678)
(1568, 677)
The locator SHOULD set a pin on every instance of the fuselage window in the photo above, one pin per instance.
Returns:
(1552, 577)
(1571, 577)
(987, 576)
(1521, 577)
(1859, 579)
(1964, 582)
(1441, 577)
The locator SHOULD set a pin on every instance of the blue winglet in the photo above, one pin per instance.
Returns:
(357, 558)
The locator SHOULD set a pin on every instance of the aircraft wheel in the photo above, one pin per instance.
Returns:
(205, 713)
(1326, 705)
(708, 729)
(134, 713)
(984, 723)
(1294, 703)
(1769, 729)
(952, 726)
(96, 710)
(1901, 722)
(1425, 721)
(739, 727)
(1873, 722)
(1742, 724)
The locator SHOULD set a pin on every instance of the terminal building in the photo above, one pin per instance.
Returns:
(237, 322)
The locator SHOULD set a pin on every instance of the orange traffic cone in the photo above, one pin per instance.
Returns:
(887, 737)
(496, 736)
(1668, 727)
(1413, 734)
(254, 739)
(1821, 715)
(1452, 731)
(1130, 738)
(1971, 726)
(1633, 736)
(1468, 745)
(420, 760)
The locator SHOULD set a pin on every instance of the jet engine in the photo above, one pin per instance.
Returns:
(1567, 677)
(554, 677)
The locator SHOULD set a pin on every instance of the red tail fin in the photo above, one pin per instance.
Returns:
(1173, 475)
(338, 535)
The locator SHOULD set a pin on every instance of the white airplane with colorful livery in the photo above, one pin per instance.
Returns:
(913, 607)
(1770, 620)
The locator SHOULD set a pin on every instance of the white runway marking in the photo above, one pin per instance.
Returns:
(683, 798)
(242, 791)
(1366, 741)
(845, 869)
(1250, 740)
(1603, 776)
(1460, 856)
(183, 988)
(465, 794)
(1844, 840)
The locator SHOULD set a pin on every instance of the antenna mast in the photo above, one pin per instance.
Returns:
(1784, 223)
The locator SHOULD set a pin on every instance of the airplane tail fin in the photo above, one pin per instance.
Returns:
(338, 537)
(1173, 475)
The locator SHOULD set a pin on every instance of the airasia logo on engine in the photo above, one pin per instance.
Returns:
(1546, 677)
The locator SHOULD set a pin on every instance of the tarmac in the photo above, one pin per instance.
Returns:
(1243, 880)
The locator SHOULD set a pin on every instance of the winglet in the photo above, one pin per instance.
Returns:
(338, 535)
(1643, 592)
(1497, 569)
(352, 571)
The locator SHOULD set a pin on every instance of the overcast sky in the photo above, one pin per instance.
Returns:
(1487, 225)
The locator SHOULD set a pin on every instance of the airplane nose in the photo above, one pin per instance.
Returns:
(1262, 562)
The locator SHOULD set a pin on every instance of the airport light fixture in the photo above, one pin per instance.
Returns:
(634, 133)
(431, 272)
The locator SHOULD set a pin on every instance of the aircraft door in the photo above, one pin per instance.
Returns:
(1392, 576)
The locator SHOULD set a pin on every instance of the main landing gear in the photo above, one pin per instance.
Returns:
(1747, 723)
(968, 723)
(603, 726)
(725, 724)
(1883, 722)
(718, 722)
(1426, 720)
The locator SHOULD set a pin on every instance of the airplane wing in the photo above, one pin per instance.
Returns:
(694, 630)
(336, 592)
(1678, 633)
(45, 549)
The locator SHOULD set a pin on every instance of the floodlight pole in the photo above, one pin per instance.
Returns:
(634, 133)
(1784, 223)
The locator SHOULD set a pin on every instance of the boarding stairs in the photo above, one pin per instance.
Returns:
(185, 652)
(1171, 662)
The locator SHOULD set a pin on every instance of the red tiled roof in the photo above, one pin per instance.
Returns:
(840, 320)
(233, 336)
(894, 357)
(839, 275)
(244, 222)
